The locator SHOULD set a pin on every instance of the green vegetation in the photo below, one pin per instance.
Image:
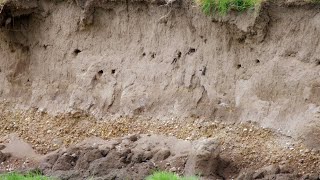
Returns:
(29, 176)
(2, 1)
(168, 176)
(224, 6)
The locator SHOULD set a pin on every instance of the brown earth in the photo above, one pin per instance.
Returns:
(70, 70)
(243, 147)
(113, 59)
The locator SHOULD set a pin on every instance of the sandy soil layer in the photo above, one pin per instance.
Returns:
(113, 59)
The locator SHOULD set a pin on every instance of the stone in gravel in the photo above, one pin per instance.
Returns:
(57, 142)
(173, 169)
(162, 154)
(2, 147)
(203, 158)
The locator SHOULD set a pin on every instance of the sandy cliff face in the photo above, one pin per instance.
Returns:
(139, 58)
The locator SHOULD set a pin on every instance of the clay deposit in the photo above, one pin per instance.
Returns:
(70, 70)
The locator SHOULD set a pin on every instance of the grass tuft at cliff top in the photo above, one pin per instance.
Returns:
(224, 6)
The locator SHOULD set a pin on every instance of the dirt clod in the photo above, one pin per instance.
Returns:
(4, 156)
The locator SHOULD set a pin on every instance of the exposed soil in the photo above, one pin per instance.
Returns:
(159, 87)
(243, 146)
(113, 59)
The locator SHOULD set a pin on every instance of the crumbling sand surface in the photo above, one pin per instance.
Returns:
(70, 70)
(243, 146)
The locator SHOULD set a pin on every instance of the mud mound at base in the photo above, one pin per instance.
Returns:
(243, 145)
(133, 157)
(137, 156)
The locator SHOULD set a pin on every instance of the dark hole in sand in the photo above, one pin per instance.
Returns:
(179, 54)
(191, 50)
(76, 51)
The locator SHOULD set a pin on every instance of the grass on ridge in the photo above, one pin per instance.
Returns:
(224, 6)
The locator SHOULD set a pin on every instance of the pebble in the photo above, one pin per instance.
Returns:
(173, 169)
